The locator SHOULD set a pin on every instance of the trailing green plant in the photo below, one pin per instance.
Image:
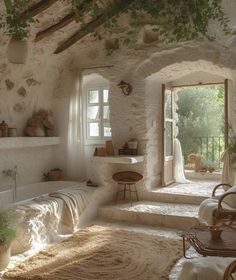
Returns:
(14, 21)
(7, 226)
(174, 20)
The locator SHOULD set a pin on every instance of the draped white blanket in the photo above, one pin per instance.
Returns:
(74, 203)
(228, 173)
(46, 218)
(204, 268)
(207, 208)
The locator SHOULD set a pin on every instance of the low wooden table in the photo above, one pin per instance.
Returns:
(201, 240)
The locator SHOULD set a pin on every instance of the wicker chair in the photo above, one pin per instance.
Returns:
(225, 205)
(127, 180)
(229, 270)
(222, 214)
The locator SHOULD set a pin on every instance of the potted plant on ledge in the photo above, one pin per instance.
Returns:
(7, 235)
(16, 24)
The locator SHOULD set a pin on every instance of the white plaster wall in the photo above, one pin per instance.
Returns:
(135, 116)
(31, 163)
(139, 115)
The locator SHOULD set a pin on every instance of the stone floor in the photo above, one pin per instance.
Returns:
(195, 187)
(152, 213)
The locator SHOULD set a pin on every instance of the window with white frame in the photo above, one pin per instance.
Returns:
(98, 114)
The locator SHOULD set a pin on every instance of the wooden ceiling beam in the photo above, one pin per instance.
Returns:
(39, 7)
(53, 28)
(63, 22)
(94, 24)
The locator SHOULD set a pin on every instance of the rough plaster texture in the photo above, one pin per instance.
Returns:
(31, 162)
(138, 115)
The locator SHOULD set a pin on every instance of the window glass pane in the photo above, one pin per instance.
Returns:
(106, 112)
(93, 96)
(93, 112)
(107, 130)
(169, 137)
(168, 104)
(105, 95)
(93, 129)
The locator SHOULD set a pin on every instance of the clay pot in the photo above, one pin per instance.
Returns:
(17, 51)
(133, 144)
(55, 175)
(5, 255)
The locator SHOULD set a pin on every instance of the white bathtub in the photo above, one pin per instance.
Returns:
(40, 225)
(33, 190)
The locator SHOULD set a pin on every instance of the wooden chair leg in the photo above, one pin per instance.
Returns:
(136, 192)
(117, 194)
(124, 191)
(130, 197)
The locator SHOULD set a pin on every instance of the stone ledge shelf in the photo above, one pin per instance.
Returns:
(27, 142)
(119, 159)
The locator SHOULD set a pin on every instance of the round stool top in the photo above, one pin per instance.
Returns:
(128, 177)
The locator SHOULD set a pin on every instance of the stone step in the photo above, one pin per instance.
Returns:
(161, 196)
(170, 215)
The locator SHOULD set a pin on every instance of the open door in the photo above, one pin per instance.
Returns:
(226, 87)
(168, 136)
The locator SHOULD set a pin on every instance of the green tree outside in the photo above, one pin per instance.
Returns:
(201, 117)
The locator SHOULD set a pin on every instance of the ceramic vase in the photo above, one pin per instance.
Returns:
(17, 51)
(5, 255)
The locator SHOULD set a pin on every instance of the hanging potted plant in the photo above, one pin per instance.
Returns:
(16, 24)
(7, 235)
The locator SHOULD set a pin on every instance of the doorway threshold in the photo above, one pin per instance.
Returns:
(192, 175)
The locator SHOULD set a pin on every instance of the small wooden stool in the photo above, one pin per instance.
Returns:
(128, 180)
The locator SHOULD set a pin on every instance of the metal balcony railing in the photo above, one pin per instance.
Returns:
(211, 148)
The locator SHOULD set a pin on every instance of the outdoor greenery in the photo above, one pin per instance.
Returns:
(7, 226)
(201, 117)
(174, 20)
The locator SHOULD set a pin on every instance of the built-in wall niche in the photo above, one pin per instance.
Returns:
(27, 142)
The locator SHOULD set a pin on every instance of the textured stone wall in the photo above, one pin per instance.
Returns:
(48, 81)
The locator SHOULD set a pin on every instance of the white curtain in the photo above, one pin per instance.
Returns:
(179, 163)
(228, 173)
(76, 167)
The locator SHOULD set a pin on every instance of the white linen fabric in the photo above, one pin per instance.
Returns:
(75, 141)
(231, 199)
(228, 173)
(207, 208)
(74, 202)
(48, 218)
(204, 268)
(179, 163)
